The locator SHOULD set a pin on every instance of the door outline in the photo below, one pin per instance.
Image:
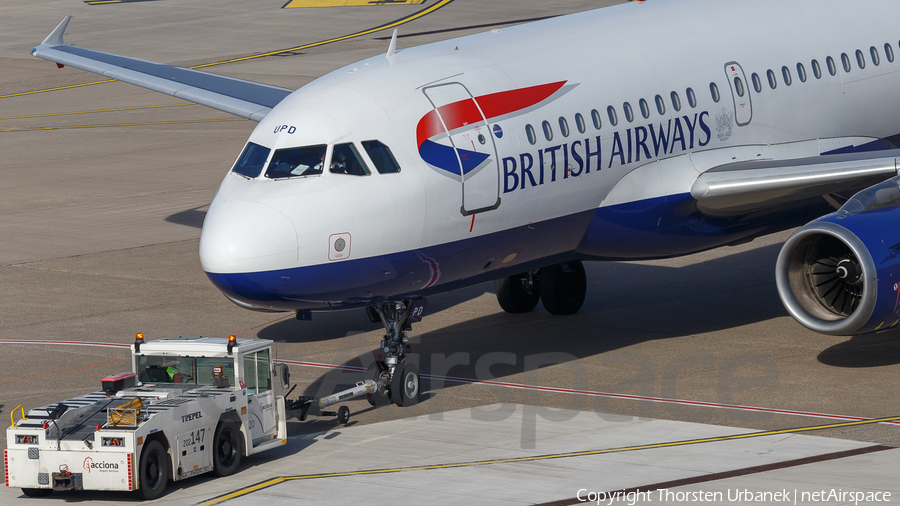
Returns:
(743, 106)
(488, 134)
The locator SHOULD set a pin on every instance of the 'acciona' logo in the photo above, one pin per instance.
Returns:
(89, 465)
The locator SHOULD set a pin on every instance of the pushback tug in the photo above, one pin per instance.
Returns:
(192, 405)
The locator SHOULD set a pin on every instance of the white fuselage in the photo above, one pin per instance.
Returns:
(537, 199)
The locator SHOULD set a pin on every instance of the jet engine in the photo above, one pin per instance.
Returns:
(840, 274)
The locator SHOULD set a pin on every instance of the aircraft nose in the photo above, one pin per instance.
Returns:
(242, 236)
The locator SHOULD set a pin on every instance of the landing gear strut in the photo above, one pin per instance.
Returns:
(560, 287)
(394, 372)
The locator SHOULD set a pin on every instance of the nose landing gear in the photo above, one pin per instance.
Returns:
(396, 375)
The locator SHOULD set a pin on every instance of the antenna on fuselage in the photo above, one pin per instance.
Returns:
(392, 49)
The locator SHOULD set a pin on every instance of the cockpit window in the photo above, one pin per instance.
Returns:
(345, 160)
(295, 162)
(382, 157)
(252, 160)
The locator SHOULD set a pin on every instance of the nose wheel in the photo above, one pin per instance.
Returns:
(396, 375)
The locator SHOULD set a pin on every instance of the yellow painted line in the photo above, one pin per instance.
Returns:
(394, 24)
(56, 89)
(412, 17)
(282, 479)
(124, 124)
(104, 2)
(94, 111)
(293, 4)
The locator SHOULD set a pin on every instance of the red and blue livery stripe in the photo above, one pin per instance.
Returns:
(466, 114)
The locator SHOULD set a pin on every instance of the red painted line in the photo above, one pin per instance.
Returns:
(520, 386)
(472, 226)
(65, 343)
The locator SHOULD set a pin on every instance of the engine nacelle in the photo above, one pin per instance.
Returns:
(840, 274)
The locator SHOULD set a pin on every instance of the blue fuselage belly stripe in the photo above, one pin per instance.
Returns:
(654, 228)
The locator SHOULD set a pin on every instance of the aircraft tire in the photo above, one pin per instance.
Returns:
(563, 287)
(381, 396)
(512, 295)
(405, 385)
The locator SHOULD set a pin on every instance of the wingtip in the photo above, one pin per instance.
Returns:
(56, 36)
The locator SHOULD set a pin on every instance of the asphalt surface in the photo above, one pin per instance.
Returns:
(101, 214)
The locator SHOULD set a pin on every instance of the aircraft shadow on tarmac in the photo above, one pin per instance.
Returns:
(875, 350)
(189, 217)
(626, 304)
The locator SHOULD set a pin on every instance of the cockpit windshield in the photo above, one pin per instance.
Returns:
(252, 160)
(295, 162)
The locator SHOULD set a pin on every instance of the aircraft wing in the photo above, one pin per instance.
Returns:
(242, 98)
(742, 187)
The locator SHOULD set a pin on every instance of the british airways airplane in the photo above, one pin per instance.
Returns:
(641, 131)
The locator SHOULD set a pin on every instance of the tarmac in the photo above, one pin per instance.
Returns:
(104, 189)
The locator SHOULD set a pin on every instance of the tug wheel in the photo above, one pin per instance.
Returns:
(153, 471)
(227, 448)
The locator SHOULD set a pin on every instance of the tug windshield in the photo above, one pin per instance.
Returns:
(184, 370)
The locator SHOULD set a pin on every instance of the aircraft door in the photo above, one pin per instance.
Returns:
(740, 91)
(467, 145)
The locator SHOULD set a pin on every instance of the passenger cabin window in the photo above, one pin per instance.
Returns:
(660, 105)
(579, 123)
(889, 53)
(563, 126)
(739, 86)
(613, 117)
(786, 73)
(548, 132)
(876, 58)
(629, 112)
(382, 157)
(770, 75)
(346, 160)
(846, 61)
(252, 160)
(676, 101)
(817, 69)
(692, 97)
(714, 92)
(645, 108)
(595, 117)
(757, 82)
(296, 162)
(832, 68)
(529, 132)
(801, 72)
(860, 59)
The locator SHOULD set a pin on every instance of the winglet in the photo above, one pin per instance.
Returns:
(56, 36)
(392, 49)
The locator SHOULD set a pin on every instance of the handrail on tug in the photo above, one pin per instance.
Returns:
(13, 412)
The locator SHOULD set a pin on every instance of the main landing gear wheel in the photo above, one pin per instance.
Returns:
(405, 384)
(381, 396)
(519, 293)
(227, 450)
(563, 287)
(153, 473)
